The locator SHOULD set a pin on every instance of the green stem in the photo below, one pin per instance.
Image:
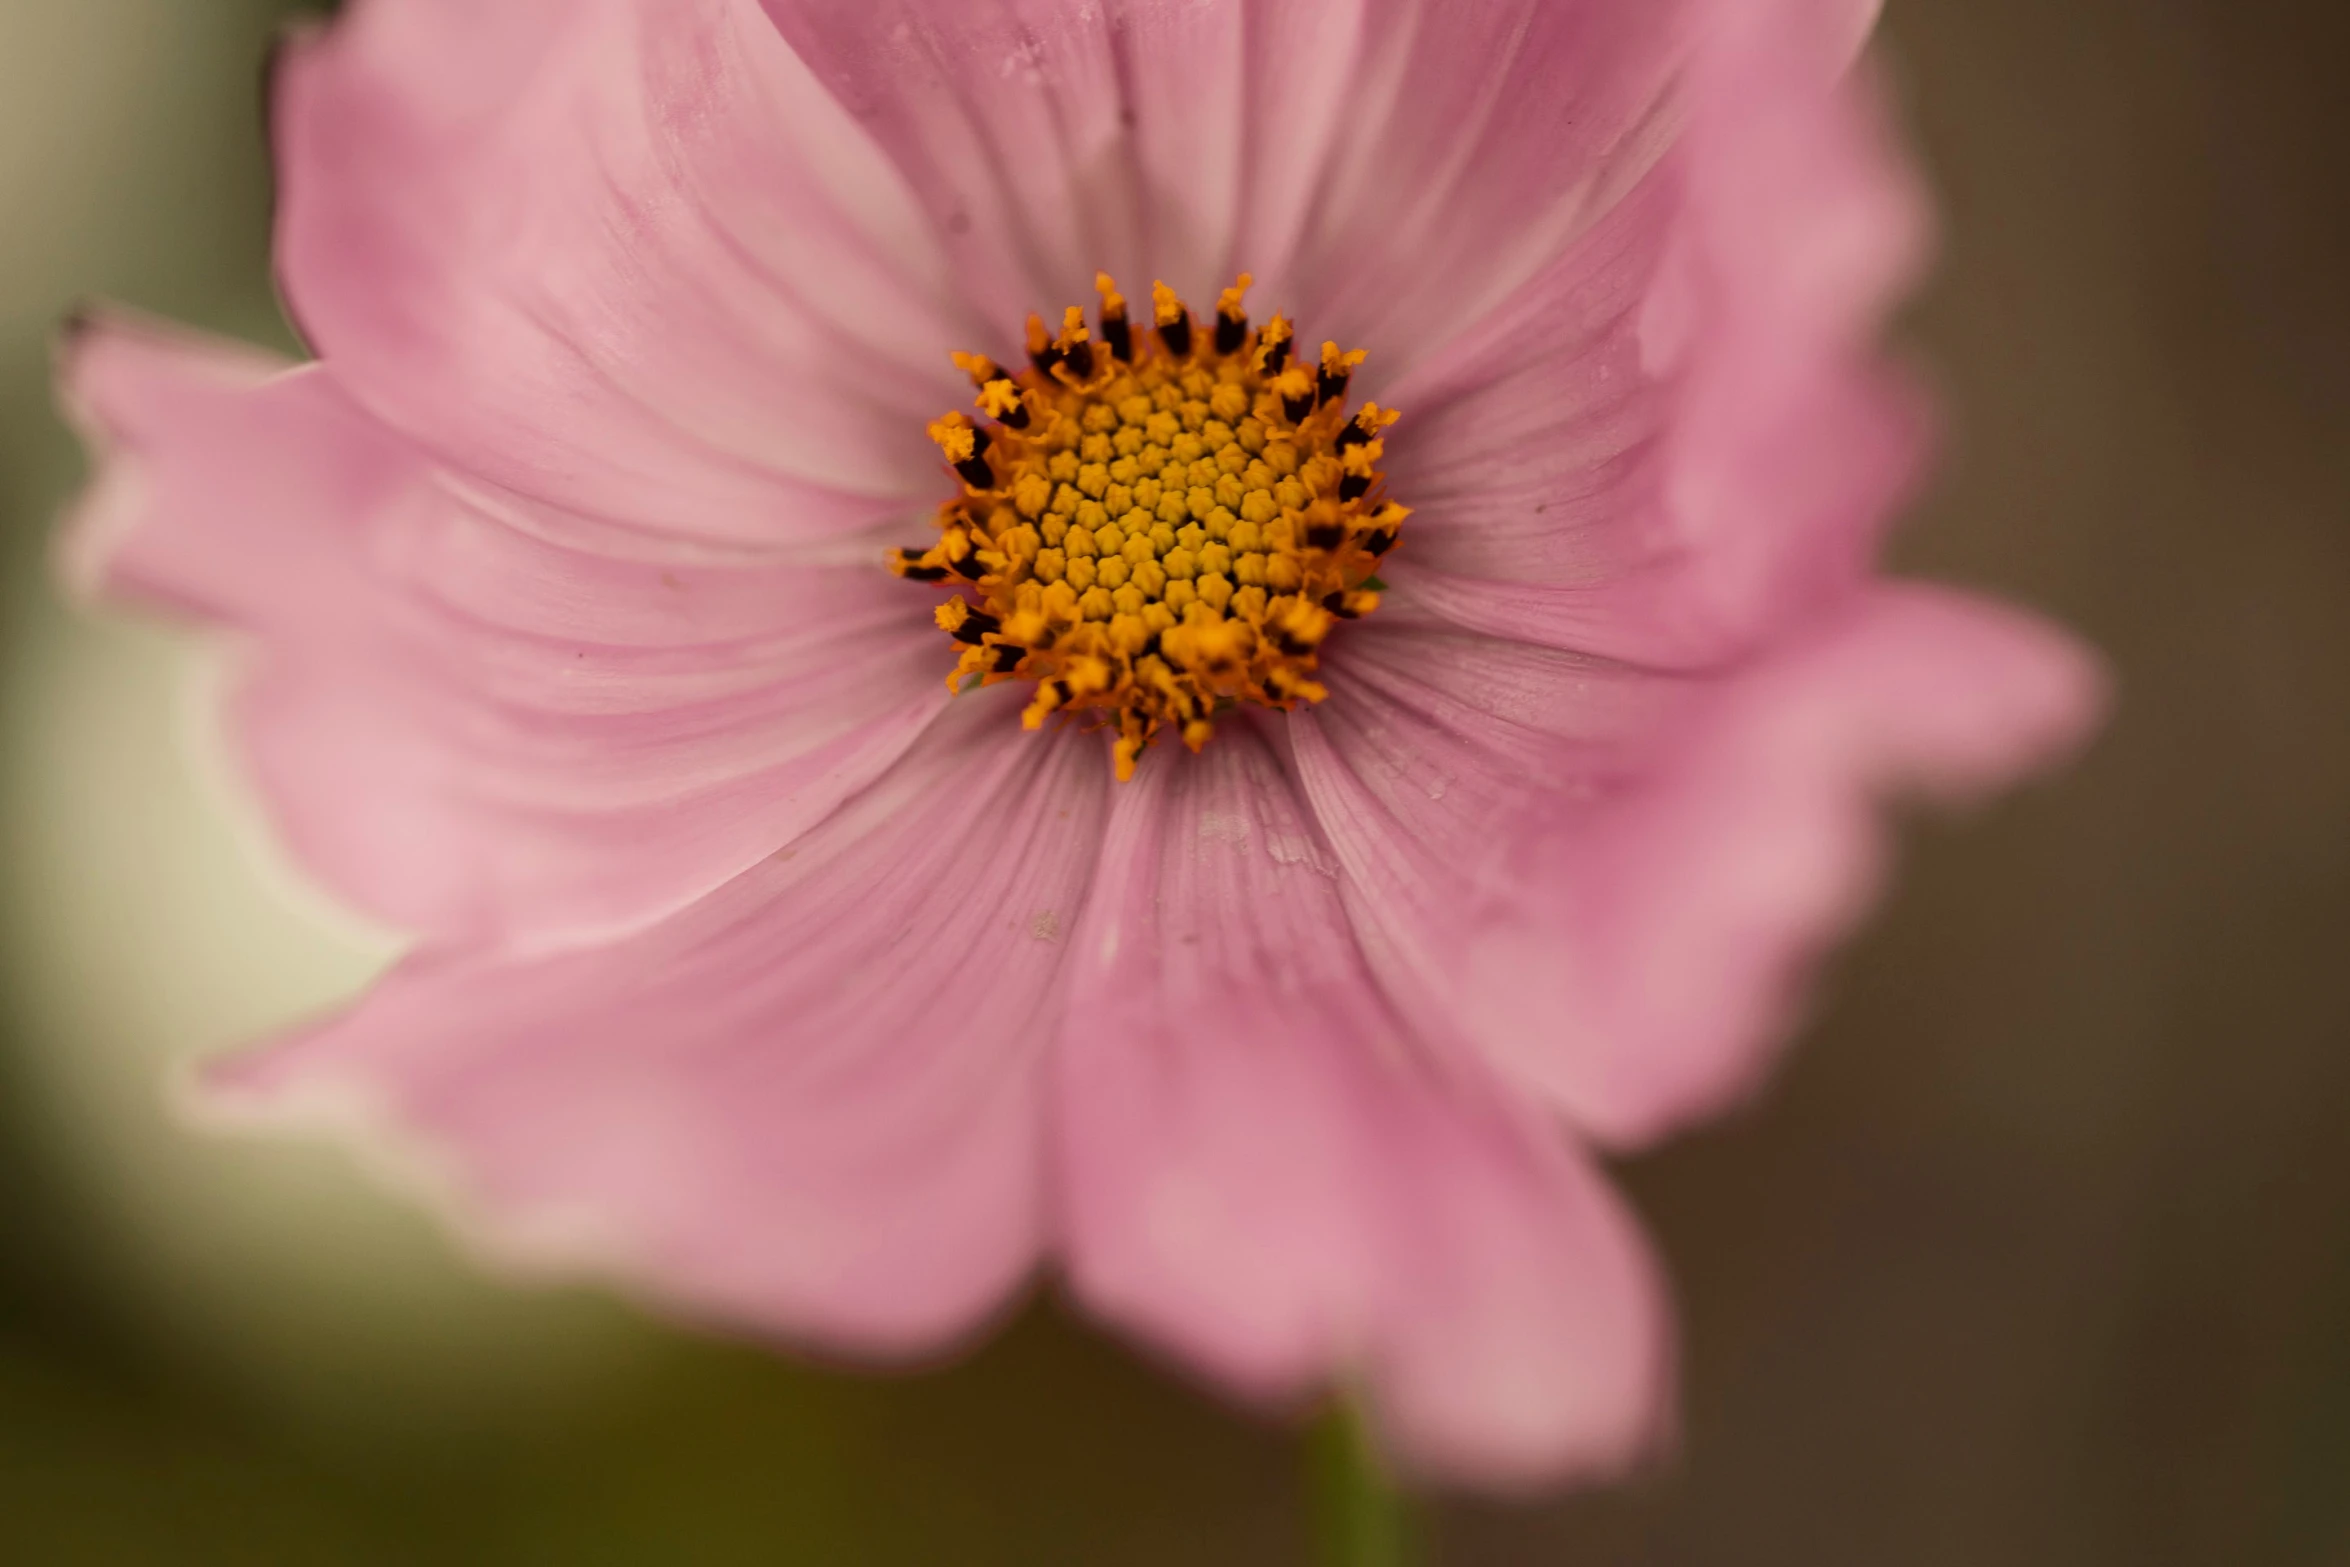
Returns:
(1360, 1518)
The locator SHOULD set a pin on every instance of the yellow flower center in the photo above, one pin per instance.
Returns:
(1156, 528)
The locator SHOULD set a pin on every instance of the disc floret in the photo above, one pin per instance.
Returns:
(1155, 528)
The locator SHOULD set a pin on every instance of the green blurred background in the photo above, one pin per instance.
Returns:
(2039, 1252)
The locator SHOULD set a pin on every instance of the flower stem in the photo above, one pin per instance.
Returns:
(1360, 1518)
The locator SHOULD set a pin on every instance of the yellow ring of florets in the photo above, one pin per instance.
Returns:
(1156, 528)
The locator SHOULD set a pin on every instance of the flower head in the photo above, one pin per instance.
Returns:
(681, 593)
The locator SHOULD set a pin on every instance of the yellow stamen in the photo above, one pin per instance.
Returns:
(954, 437)
(1162, 530)
(999, 398)
(1336, 363)
(1273, 341)
(978, 367)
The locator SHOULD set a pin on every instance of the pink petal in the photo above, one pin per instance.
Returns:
(1654, 948)
(1471, 145)
(1010, 122)
(1386, 170)
(1435, 750)
(475, 716)
(809, 1105)
(1263, 1173)
(624, 255)
(1678, 436)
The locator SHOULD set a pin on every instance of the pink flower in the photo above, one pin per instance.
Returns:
(757, 970)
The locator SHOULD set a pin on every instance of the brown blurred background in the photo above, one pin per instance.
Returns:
(2038, 1253)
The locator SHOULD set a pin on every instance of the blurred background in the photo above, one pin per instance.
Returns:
(2039, 1251)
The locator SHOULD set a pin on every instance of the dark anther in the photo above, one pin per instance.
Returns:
(1297, 408)
(1044, 358)
(1079, 359)
(1176, 334)
(979, 442)
(1291, 645)
(915, 573)
(968, 568)
(976, 473)
(1325, 535)
(1231, 332)
(1007, 658)
(1329, 388)
(1120, 336)
(1272, 356)
(1352, 487)
(1379, 540)
(976, 624)
(1352, 435)
(1336, 604)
